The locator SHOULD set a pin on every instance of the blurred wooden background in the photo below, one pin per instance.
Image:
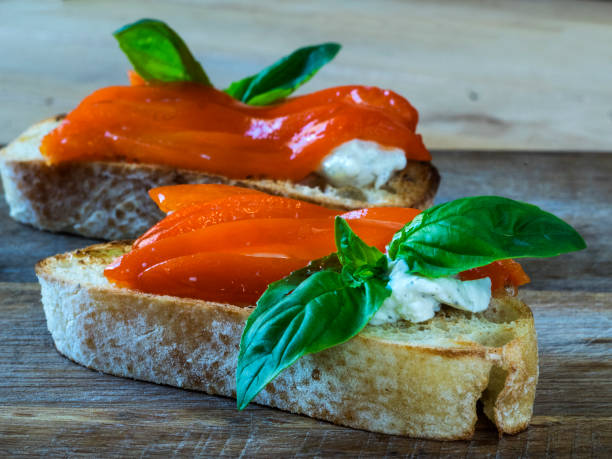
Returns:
(483, 74)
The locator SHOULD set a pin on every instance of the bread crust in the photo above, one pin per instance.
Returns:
(108, 200)
(383, 380)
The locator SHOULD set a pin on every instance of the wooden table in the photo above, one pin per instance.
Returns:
(50, 405)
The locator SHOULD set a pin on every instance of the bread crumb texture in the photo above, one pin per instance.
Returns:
(421, 380)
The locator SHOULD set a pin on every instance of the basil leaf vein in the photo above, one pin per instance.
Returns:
(284, 76)
(158, 53)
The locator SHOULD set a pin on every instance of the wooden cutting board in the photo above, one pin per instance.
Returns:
(52, 406)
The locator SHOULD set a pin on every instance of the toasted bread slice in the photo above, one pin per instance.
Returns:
(108, 200)
(421, 380)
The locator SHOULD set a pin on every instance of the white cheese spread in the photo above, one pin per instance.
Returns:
(417, 299)
(362, 164)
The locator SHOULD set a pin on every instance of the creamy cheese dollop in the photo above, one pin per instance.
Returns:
(362, 164)
(417, 299)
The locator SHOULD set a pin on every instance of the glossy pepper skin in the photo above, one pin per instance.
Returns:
(226, 244)
(504, 274)
(221, 243)
(193, 207)
(296, 241)
(195, 127)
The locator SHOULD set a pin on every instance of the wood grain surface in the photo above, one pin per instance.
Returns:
(50, 405)
(483, 74)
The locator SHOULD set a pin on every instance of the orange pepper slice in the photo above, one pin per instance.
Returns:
(208, 204)
(503, 274)
(306, 238)
(223, 243)
(194, 127)
(135, 79)
(173, 197)
(213, 276)
(235, 207)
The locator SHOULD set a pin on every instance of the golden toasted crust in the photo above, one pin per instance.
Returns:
(108, 200)
(421, 380)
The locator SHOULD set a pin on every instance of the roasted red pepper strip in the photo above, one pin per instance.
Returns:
(503, 273)
(233, 242)
(223, 277)
(203, 205)
(306, 238)
(169, 198)
(135, 79)
(196, 127)
(231, 208)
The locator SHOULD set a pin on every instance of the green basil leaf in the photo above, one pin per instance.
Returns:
(312, 309)
(277, 290)
(323, 311)
(158, 53)
(358, 258)
(284, 76)
(470, 232)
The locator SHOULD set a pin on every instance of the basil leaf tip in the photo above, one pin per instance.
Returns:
(471, 232)
(284, 76)
(158, 53)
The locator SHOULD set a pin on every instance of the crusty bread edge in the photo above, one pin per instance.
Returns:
(193, 344)
(108, 200)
